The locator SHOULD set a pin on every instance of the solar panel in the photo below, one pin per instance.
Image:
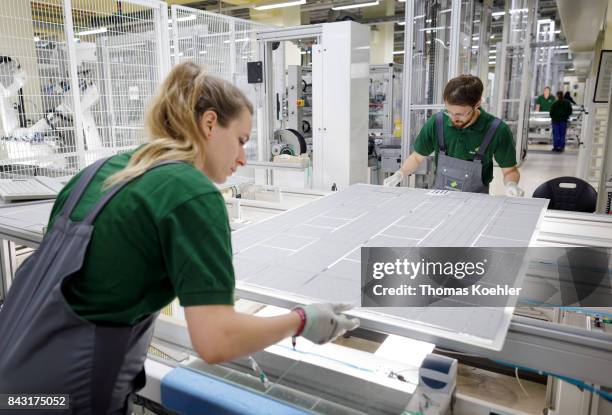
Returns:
(312, 253)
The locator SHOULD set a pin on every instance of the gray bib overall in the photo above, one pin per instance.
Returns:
(45, 347)
(457, 174)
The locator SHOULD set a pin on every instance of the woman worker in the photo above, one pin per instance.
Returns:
(128, 235)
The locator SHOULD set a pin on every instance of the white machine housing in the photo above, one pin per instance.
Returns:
(340, 95)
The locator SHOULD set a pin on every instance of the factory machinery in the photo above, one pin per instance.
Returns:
(379, 369)
(385, 124)
(375, 371)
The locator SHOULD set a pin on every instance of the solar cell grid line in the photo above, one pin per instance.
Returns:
(327, 269)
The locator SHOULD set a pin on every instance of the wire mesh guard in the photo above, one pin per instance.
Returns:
(74, 81)
(223, 44)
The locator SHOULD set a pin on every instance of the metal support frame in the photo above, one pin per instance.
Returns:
(525, 97)
(484, 41)
(604, 191)
(411, 103)
(74, 83)
(407, 79)
(503, 78)
(163, 47)
(543, 56)
(453, 59)
(8, 266)
(557, 349)
(586, 134)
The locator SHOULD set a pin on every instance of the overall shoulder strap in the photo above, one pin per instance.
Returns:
(93, 213)
(487, 138)
(80, 186)
(440, 130)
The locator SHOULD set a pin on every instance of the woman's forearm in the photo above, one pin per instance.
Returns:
(218, 333)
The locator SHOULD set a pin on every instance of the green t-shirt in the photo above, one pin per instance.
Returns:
(560, 111)
(544, 103)
(463, 143)
(165, 234)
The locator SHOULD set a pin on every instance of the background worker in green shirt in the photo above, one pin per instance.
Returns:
(79, 317)
(544, 101)
(559, 115)
(465, 139)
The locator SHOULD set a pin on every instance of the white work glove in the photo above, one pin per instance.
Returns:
(394, 179)
(513, 190)
(324, 322)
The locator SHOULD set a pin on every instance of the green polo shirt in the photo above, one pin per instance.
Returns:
(463, 143)
(165, 234)
(545, 104)
(560, 111)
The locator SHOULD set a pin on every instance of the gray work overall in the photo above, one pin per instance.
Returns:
(45, 347)
(457, 174)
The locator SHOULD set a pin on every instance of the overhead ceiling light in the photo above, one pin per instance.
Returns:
(401, 23)
(92, 31)
(557, 31)
(36, 39)
(402, 1)
(497, 14)
(356, 5)
(398, 52)
(279, 5)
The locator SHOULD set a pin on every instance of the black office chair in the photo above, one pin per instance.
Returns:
(568, 193)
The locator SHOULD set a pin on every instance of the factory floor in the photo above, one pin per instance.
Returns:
(540, 165)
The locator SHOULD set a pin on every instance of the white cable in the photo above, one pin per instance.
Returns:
(519, 382)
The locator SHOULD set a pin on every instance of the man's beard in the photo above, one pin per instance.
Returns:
(461, 124)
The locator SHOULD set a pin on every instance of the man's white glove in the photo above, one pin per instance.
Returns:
(513, 190)
(324, 323)
(394, 179)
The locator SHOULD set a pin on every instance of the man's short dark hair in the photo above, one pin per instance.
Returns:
(463, 90)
